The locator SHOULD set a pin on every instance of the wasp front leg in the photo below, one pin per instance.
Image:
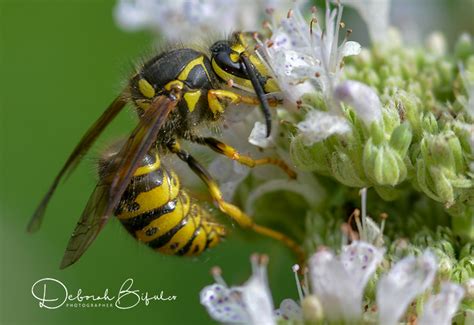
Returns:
(244, 220)
(232, 153)
(219, 98)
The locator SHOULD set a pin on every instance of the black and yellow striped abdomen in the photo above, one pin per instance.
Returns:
(157, 211)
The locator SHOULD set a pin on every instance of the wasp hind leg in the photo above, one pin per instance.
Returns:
(244, 220)
(232, 153)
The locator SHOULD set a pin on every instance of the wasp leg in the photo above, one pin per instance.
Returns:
(244, 220)
(232, 153)
(215, 96)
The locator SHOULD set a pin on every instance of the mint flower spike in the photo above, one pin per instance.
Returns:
(181, 20)
(375, 13)
(250, 303)
(409, 278)
(440, 308)
(339, 281)
(303, 58)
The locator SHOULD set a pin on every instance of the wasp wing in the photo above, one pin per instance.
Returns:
(116, 177)
(79, 151)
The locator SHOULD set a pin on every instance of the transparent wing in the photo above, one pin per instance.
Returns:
(81, 149)
(117, 176)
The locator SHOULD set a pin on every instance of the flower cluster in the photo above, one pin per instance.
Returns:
(360, 285)
(391, 118)
(336, 293)
(181, 20)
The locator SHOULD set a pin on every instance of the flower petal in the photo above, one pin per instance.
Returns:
(256, 295)
(440, 309)
(258, 136)
(350, 48)
(318, 126)
(224, 304)
(403, 283)
(362, 98)
(289, 310)
(339, 282)
(375, 13)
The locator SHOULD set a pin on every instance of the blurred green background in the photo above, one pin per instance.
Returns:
(61, 63)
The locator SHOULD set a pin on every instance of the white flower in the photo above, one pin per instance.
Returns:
(318, 126)
(440, 309)
(375, 13)
(289, 310)
(339, 281)
(258, 136)
(409, 278)
(305, 56)
(249, 304)
(182, 19)
(362, 98)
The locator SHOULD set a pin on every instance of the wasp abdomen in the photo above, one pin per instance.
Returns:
(157, 211)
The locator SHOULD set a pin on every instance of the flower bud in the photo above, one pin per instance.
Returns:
(464, 47)
(463, 270)
(312, 309)
(344, 169)
(466, 250)
(401, 139)
(309, 158)
(383, 165)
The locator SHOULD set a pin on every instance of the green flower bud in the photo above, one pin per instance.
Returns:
(410, 108)
(424, 238)
(343, 169)
(469, 287)
(388, 193)
(315, 100)
(446, 247)
(463, 270)
(442, 186)
(401, 139)
(464, 47)
(466, 250)
(310, 158)
(312, 309)
(429, 123)
(446, 263)
(383, 165)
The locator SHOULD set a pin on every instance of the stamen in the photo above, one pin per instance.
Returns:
(267, 25)
(346, 230)
(269, 11)
(295, 269)
(384, 217)
(360, 228)
(306, 281)
(216, 273)
(314, 20)
(290, 14)
(342, 24)
(230, 83)
(254, 261)
(299, 102)
(363, 194)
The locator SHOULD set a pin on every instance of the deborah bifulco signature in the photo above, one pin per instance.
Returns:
(53, 294)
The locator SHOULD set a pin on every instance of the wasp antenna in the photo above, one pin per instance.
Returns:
(259, 92)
